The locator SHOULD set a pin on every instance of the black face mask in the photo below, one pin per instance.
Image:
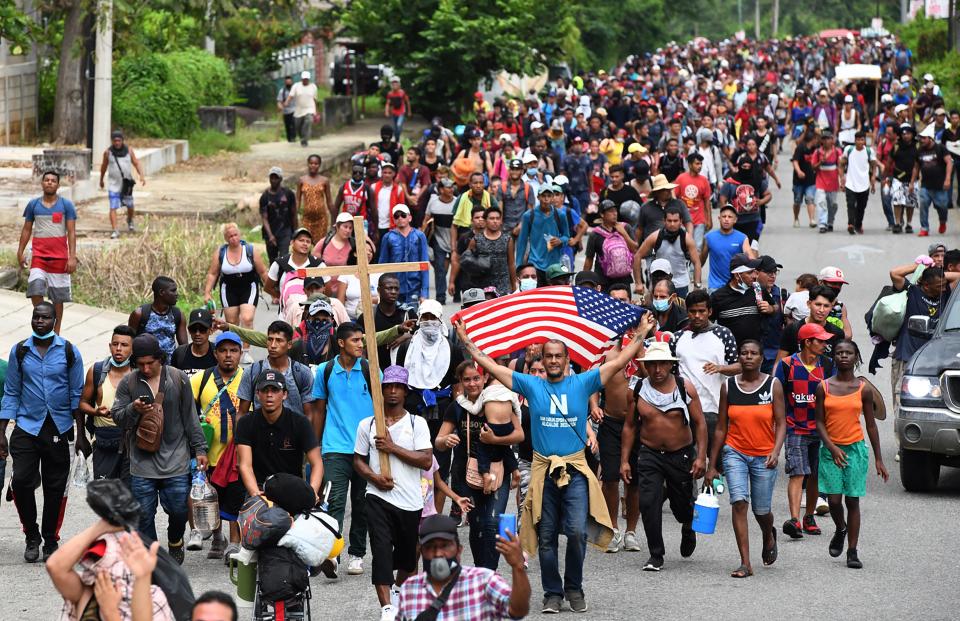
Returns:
(439, 568)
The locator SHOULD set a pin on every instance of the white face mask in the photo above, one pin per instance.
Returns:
(431, 330)
(526, 284)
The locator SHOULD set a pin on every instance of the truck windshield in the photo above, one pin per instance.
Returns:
(952, 320)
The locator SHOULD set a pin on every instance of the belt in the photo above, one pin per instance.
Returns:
(653, 450)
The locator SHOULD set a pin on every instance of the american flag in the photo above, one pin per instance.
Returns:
(585, 319)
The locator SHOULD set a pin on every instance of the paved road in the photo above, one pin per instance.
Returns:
(908, 544)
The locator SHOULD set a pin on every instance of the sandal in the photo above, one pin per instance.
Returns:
(741, 572)
(769, 556)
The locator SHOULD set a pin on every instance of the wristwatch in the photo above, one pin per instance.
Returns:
(698, 285)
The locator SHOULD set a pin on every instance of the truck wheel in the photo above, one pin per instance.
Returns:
(919, 472)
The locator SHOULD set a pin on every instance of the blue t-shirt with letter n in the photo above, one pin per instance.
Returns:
(552, 402)
(721, 247)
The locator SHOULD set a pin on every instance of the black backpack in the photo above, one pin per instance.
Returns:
(682, 238)
(147, 309)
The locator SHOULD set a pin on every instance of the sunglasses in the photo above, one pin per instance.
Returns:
(198, 328)
(401, 214)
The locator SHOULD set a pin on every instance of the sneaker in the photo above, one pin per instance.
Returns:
(176, 551)
(31, 553)
(853, 561)
(576, 601)
(793, 529)
(49, 549)
(836, 542)
(130, 227)
(395, 596)
(330, 568)
(810, 525)
(388, 612)
(851, 230)
(115, 234)
(830, 228)
(796, 224)
(688, 541)
(813, 225)
(630, 542)
(889, 228)
(195, 540)
(654, 563)
(941, 229)
(897, 229)
(923, 233)
(822, 507)
(354, 565)
(614, 546)
(860, 231)
(246, 359)
(551, 604)
(823, 229)
(908, 228)
(217, 548)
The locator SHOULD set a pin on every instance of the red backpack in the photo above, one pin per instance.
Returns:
(745, 200)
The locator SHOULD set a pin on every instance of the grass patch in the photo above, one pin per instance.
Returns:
(208, 142)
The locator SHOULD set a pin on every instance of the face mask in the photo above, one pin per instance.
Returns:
(531, 172)
(42, 336)
(439, 568)
(526, 284)
(661, 306)
(741, 286)
(318, 335)
(119, 365)
(430, 329)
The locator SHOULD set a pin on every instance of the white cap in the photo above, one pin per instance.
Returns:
(536, 125)
(928, 132)
(561, 180)
(904, 79)
(507, 138)
(886, 97)
(430, 306)
(304, 75)
(661, 265)
(900, 108)
(402, 208)
(928, 77)
(530, 158)
(343, 217)
(848, 99)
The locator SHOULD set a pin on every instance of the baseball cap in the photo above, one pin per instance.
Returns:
(320, 306)
(928, 77)
(607, 204)
(529, 158)
(832, 274)
(768, 264)
(636, 147)
(848, 99)
(813, 331)
(227, 337)
(740, 263)
(395, 374)
(471, 297)
(431, 307)
(304, 75)
(560, 180)
(557, 270)
(344, 216)
(935, 248)
(271, 378)
(438, 526)
(302, 231)
(447, 182)
(536, 125)
(547, 187)
(907, 127)
(275, 170)
(586, 277)
(312, 281)
(401, 208)
(388, 165)
(661, 265)
(516, 164)
(900, 108)
(200, 316)
(577, 139)
(940, 111)
(507, 137)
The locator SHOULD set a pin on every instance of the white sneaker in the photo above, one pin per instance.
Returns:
(630, 543)
(388, 613)
(614, 546)
(115, 234)
(246, 359)
(822, 507)
(195, 541)
(354, 565)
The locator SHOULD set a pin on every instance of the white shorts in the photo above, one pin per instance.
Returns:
(55, 287)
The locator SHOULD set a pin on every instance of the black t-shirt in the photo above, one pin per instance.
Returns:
(671, 167)
(801, 155)
(184, 359)
(458, 416)
(933, 167)
(278, 208)
(279, 447)
(904, 157)
(385, 322)
(619, 197)
(739, 312)
(789, 341)
(750, 169)
(652, 216)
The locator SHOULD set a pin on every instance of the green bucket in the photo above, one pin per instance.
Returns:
(244, 577)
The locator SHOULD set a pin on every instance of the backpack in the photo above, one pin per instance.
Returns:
(293, 371)
(351, 258)
(505, 190)
(682, 237)
(616, 260)
(248, 248)
(328, 371)
(22, 350)
(744, 201)
(98, 378)
(556, 218)
(147, 309)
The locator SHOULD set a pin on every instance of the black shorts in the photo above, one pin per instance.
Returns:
(231, 497)
(393, 539)
(609, 439)
(235, 294)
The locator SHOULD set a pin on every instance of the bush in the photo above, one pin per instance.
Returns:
(158, 94)
(925, 37)
(946, 71)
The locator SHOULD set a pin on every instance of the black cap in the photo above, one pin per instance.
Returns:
(768, 264)
(312, 281)
(271, 378)
(741, 260)
(438, 526)
(607, 204)
(516, 164)
(302, 231)
(588, 278)
(200, 316)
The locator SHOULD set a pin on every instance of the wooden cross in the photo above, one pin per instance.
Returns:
(362, 271)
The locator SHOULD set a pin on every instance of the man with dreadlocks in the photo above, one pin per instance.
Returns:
(673, 450)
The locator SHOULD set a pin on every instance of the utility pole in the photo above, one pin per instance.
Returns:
(776, 18)
(740, 14)
(903, 11)
(756, 19)
(103, 80)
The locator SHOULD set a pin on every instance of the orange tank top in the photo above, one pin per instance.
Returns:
(842, 415)
(750, 418)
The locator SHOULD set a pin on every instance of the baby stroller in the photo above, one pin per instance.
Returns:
(283, 587)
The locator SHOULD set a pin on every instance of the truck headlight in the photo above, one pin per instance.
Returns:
(921, 387)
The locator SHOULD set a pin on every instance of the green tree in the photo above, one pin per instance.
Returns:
(15, 26)
(442, 49)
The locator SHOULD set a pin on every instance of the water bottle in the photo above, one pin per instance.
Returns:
(567, 263)
(206, 505)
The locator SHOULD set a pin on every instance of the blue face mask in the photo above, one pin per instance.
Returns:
(532, 172)
(661, 306)
(42, 337)
(119, 365)
(526, 284)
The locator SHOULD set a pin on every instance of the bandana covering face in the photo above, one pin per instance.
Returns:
(318, 336)
(428, 356)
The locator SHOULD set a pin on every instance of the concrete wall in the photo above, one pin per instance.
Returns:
(73, 165)
(18, 99)
(337, 111)
(220, 118)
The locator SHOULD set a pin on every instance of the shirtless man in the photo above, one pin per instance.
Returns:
(669, 424)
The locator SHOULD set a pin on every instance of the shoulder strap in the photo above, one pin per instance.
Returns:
(249, 250)
(294, 367)
(145, 311)
(203, 383)
(327, 372)
(223, 253)
(556, 217)
(21, 352)
(433, 611)
(177, 316)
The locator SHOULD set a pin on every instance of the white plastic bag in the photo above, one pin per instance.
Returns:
(81, 471)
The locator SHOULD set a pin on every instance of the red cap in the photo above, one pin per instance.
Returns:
(478, 95)
(813, 331)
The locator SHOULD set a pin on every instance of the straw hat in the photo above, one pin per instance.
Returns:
(660, 183)
(658, 352)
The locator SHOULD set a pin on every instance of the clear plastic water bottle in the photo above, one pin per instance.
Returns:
(567, 263)
(206, 504)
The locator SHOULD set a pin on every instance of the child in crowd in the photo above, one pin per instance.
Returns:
(497, 403)
(796, 308)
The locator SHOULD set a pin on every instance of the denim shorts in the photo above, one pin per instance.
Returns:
(802, 454)
(804, 194)
(117, 200)
(749, 479)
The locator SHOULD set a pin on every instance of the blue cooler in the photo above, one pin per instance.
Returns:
(705, 512)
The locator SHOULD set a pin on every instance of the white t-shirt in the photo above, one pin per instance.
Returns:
(858, 168)
(796, 305)
(411, 433)
(304, 99)
(274, 272)
(352, 303)
(695, 349)
(383, 207)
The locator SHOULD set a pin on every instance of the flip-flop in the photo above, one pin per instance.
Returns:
(741, 572)
(770, 556)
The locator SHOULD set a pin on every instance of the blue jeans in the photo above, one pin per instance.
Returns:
(484, 521)
(940, 200)
(749, 479)
(173, 493)
(564, 510)
(886, 199)
(398, 126)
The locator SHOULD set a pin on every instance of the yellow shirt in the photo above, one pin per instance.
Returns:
(212, 412)
(108, 392)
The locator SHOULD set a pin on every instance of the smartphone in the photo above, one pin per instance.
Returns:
(508, 521)
(146, 399)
